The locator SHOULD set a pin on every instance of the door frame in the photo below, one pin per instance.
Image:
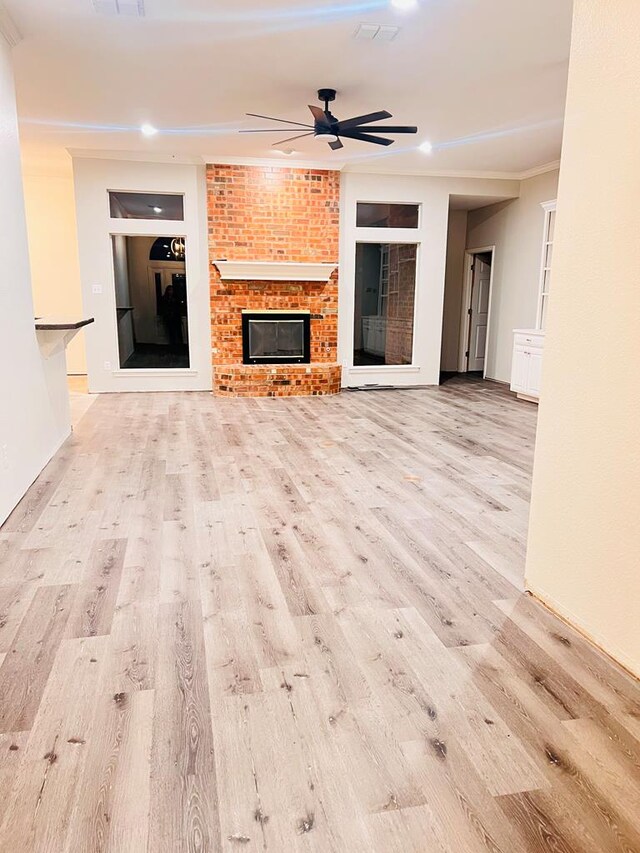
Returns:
(467, 290)
(161, 372)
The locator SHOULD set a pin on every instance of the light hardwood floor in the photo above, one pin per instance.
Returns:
(298, 624)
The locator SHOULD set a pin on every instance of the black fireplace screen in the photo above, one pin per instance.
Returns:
(272, 338)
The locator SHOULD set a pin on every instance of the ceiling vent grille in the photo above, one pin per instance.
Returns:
(375, 32)
(8, 28)
(124, 8)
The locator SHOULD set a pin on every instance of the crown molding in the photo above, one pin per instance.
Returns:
(283, 162)
(136, 156)
(433, 173)
(554, 166)
(469, 173)
(8, 28)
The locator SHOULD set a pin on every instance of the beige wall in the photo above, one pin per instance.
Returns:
(584, 542)
(453, 287)
(53, 252)
(515, 229)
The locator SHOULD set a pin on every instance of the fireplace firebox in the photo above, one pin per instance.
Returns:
(276, 337)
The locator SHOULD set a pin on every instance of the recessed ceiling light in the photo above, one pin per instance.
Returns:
(157, 210)
(405, 5)
(286, 151)
(426, 148)
(148, 130)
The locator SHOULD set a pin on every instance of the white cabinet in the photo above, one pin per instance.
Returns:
(526, 367)
(374, 334)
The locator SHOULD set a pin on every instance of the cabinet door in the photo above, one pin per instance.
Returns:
(534, 372)
(519, 369)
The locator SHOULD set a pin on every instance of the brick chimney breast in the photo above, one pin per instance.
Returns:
(269, 213)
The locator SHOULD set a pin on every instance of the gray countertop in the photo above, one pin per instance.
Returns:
(62, 324)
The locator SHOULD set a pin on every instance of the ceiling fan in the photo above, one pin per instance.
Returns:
(327, 128)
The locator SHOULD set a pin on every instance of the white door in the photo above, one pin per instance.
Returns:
(479, 313)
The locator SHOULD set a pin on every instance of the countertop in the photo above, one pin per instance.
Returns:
(61, 324)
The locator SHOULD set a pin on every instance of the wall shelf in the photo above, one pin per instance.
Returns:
(273, 271)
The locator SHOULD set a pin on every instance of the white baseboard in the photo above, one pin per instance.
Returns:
(31, 478)
(594, 637)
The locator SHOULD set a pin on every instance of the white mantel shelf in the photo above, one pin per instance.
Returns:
(273, 271)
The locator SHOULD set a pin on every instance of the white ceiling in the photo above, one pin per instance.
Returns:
(483, 79)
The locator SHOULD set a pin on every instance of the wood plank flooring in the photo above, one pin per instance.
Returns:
(298, 625)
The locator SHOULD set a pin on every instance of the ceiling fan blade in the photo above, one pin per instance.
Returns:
(291, 138)
(271, 118)
(358, 120)
(275, 129)
(334, 146)
(320, 116)
(382, 128)
(365, 137)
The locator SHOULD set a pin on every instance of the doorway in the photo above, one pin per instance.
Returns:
(151, 302)
(476, 309)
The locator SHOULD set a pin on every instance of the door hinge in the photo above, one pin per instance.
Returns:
(466, 355)
(473, 267)
(469, 311)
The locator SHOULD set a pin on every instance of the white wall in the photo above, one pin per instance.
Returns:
(584, 540)
(453, 289)
(53, 251)
(34, 409)
(93, 178)
(515, 229)
(433, 196)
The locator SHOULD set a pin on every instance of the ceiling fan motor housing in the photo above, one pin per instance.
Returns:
(327, 95)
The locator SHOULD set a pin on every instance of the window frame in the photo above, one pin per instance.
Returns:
(384, 229)
(395, 241)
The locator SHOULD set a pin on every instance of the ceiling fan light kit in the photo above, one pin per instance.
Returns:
(327, 128)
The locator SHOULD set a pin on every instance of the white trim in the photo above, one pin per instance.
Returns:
(578, 624)
(273, 271)
(154, 371)
(92, 178)
(388, 368)
(463, 362)
(329, 164)
(554, 166)
(136, 157)
(481, 175)
(8, 28)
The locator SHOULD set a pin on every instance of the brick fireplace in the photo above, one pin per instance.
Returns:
(273, 215)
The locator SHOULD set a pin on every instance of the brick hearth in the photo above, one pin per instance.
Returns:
(262, 213)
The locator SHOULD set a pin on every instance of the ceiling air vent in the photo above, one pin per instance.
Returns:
(8, 28)
(375, 32)
(124, 8)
